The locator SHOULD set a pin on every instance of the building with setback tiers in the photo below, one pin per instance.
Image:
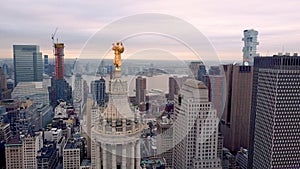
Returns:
(195, 138)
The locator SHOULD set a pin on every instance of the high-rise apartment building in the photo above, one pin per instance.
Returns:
(195, 138)
(235, 120)
(275, 113)
(250, 44)
(28, 63)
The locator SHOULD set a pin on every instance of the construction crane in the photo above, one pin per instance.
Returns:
(52, 37)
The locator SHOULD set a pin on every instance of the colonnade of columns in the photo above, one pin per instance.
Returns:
(134, 156)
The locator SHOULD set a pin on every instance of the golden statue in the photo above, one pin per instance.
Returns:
(118, 48)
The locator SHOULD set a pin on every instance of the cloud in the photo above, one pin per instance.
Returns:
(33, 21)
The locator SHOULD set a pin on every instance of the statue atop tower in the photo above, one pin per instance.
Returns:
(117, 130)
(118, 48)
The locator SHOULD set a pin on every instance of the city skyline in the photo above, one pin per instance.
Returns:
(34, 22)
(149, 84)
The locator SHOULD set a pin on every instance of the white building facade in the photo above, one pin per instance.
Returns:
(250, 46)
(116, 135)
(195, 133)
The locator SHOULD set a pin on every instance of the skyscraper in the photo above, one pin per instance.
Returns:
(78, 94)
(201, 72)
(175, 83)
(59, 60)
(275, 113)
(195, 138)
(59, 69)
(98, 90)
(46, 63)
(195, 69)
(217, 96)
(5, 93)
(236, 116)
(28, 63)
(60, 89)
(250, 44)
(140, 87)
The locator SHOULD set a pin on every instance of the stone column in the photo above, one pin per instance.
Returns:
(124, 160)
(98, 152)
(124, 125)
(104, 155)
(103, 126)
(138, 154)
(132, 156)
(114, 156)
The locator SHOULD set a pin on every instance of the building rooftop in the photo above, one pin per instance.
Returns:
(153, 163)
(14, 141)
(86, 162)
(47, 150)
(72, 144)
(195, 84)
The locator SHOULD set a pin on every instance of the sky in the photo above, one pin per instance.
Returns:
(221, 22)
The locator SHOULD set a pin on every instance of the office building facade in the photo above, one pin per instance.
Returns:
(140, 95)
(98, 90)
(275, 113)
(195, 138)
(235, 120)
(28, 63)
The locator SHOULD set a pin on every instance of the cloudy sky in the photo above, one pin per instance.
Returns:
(222, 22)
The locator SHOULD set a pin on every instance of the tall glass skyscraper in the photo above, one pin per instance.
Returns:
(275, 114)
(28, 63)
(98, 90)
